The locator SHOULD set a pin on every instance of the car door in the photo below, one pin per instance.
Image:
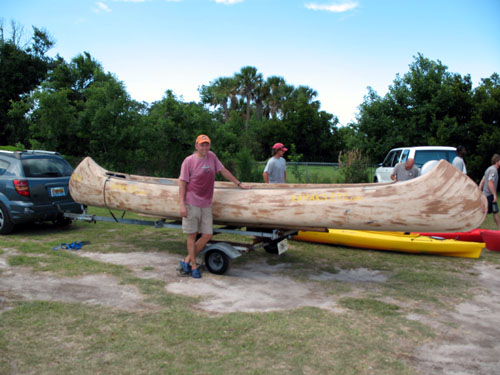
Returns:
(386, 167)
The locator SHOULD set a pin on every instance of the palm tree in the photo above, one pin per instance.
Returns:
(248, 81)
(279, 93)
(222, 92)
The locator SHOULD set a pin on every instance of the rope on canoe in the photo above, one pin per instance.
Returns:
(104, 197)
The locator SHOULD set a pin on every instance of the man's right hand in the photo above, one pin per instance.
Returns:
(183, 211)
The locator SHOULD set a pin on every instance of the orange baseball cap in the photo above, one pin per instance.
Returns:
(202, 138)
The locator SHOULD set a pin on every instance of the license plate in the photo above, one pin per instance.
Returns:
(57, 192)
(282, 246)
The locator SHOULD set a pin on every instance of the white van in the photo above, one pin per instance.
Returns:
(421, 155)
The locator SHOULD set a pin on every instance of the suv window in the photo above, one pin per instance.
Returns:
(392, 159)
(46, 167)
(423, 156)
(3, 166)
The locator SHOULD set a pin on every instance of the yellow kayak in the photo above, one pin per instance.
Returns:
(394, 241)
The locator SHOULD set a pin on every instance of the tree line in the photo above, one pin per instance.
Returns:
(78, 109)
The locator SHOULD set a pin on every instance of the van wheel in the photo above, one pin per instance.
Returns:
(6, 225)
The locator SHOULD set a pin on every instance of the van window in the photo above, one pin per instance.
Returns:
(391, 159)
(423, 156)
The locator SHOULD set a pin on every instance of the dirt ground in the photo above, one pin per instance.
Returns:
(467, 340)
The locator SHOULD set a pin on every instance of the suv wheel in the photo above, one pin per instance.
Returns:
(6, 225)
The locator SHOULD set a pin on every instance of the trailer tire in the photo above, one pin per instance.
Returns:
(271, 248)
(217, 262)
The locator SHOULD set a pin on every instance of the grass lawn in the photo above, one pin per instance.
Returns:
(322, 174)
(371, 336)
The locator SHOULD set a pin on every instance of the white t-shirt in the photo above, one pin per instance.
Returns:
(276, 168)
(459, 163)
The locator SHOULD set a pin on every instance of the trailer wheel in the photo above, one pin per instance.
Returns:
(217, 262)
(271, 248)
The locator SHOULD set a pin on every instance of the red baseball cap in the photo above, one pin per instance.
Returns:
(279, 146)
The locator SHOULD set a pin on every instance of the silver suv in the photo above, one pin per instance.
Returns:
(421, 155)
(34, 188)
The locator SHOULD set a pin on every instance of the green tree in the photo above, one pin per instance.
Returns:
(278, 93)
(81, 110)
(249, 83)
(22, 69)
(169, 133)
(427, 106)
(485, 126)
(314, 132)
(221, 93)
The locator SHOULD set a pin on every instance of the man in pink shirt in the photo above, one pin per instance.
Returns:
(196, 190)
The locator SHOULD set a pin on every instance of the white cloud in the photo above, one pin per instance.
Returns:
(101, 7)
(228, 2)
(336, 7)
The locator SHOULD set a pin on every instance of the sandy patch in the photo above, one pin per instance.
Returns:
(22, 283)
(468, 339)
(256, 287)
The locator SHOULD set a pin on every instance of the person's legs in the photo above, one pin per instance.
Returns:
(497, 220)
(202, 242)
(190, 225)
(191, 249)
(206, 230)
(199, 220)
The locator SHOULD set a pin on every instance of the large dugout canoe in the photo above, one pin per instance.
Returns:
(443, 200)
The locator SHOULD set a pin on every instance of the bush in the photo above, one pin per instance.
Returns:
(353, 167)
(246, 168)
(296, 170)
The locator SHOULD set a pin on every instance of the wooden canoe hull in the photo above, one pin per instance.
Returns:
(443, 200)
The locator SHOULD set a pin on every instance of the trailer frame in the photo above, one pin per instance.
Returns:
(217, 255)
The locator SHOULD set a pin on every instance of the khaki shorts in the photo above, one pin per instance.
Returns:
(198, 220)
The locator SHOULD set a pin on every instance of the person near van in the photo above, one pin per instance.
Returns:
(405, 171)
(196, 190)
(458, 161)
(275, 170)
(488, 186)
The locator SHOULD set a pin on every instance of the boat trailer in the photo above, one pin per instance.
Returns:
(217, 255)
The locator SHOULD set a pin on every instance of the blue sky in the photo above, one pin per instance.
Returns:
(337, 48)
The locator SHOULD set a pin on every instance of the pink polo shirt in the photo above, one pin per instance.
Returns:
(199, 173)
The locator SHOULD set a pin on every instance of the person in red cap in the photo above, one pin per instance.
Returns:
(275, 170)
(196, 190)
